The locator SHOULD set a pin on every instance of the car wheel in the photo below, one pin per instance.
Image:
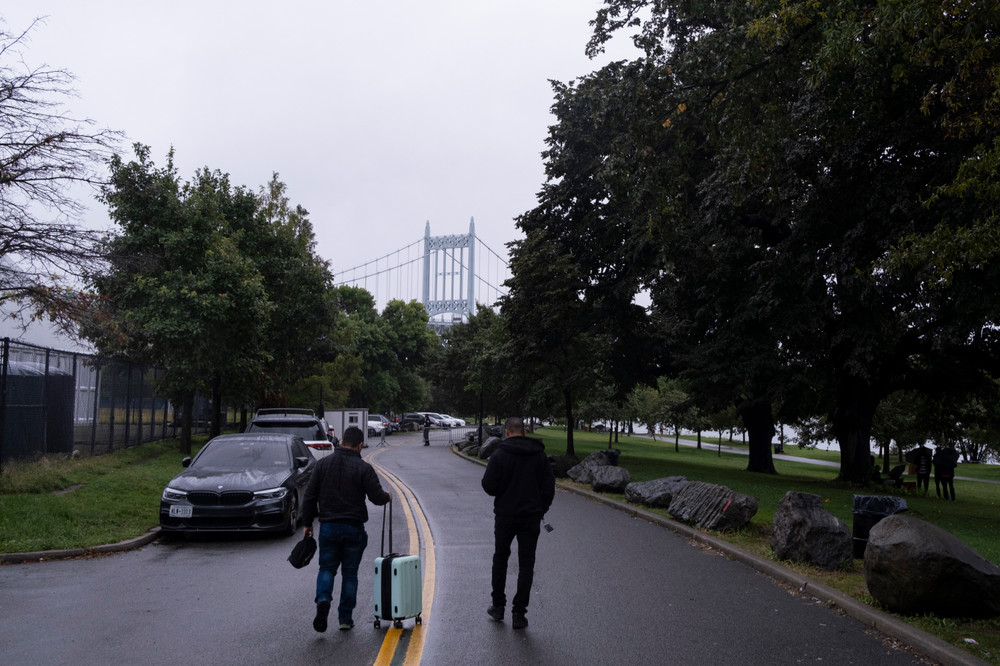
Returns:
(293, 516)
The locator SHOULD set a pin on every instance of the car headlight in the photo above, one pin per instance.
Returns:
(273, 493)
(171, 495)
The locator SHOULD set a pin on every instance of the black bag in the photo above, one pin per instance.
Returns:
(303, 552)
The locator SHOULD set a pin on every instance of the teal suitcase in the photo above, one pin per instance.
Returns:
(398, 593)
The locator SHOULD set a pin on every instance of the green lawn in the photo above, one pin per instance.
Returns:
(55, 504)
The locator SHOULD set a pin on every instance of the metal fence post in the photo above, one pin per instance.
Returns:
(3, 399)
(96, 409)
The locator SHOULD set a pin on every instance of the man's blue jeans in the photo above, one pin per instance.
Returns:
(343, 546)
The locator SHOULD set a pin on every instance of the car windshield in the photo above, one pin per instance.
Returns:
(307, 431)
(250, 453)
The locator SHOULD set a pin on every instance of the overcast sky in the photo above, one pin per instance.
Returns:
(378, 116)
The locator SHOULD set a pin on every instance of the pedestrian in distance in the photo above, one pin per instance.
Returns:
(336, 495)
(945, 461)
(519, 478)
(427, 430)
(921, 458)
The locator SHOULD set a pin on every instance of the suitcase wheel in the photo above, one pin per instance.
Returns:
(378, 623)
(398, 624)
(418, 620)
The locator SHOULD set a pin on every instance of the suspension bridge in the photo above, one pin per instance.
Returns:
(449, 275)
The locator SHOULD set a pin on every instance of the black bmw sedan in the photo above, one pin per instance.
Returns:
(248, 481)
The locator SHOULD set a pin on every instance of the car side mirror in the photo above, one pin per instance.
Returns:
(186, 461)
(301, 461)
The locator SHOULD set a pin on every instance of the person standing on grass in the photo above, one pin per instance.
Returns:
(519, 478)
(336, 494)
(945, 462)
(921, 458)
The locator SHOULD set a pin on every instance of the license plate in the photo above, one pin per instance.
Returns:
(180, 511)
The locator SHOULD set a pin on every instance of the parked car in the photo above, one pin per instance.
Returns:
(375, 427)
(438, 421)
(389, 426)
(303, 423)
(411, 421)
(455, 422)
(246, 481)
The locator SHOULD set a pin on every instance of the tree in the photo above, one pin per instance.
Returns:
(176, 291)
(848, 179)
(385, 353)
(279, 239)
(468, 373)
(44, 154)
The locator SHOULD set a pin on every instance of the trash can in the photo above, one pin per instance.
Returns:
(868, 510)
(612, 456)
(779, 447)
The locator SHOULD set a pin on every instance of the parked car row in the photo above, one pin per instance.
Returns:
(436, 420)
(255, 480)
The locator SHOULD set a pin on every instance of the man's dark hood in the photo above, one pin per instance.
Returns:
(523, 446)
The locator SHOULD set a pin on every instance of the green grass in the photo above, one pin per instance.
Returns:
(971, 518)
(55, 504)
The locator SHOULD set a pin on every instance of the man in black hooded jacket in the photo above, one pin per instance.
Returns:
(519, 478)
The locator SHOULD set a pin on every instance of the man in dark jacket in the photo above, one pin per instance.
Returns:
(519, 478)
(336, 493)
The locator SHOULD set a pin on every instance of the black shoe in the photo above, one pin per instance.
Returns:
(346, 626)
(518, 621)
(322, 610)
(495, 612)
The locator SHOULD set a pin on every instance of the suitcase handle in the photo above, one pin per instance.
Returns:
(384, 507)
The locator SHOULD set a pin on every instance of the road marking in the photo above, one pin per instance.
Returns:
(388, 647)
(414, 638)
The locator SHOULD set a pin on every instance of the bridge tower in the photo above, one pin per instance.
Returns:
(449, 277)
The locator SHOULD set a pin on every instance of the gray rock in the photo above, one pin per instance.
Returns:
(912, 566)
(608, 479)
(712, 507)
(488, 447)
(806, 532)
(655, 493)
(583, 472)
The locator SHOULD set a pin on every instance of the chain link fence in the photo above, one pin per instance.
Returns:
(58, 402)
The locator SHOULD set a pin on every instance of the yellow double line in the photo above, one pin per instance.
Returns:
(414, 515)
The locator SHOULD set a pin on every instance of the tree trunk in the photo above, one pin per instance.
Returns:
(570, 424)
(852, 427)
(759, 425)
(215, 428)
(187, 410)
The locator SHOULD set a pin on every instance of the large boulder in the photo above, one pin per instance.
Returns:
(655, 493)
(912, 566)
(489, 446)
(583, 472)
(806, 532)
(712, 507)
(609, 479)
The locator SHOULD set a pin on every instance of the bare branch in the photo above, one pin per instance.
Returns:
(44, 153)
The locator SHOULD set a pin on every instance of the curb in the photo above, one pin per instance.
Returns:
(45, 555)
(926, 644)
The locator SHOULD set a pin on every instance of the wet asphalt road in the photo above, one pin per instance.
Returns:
(609, 589)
